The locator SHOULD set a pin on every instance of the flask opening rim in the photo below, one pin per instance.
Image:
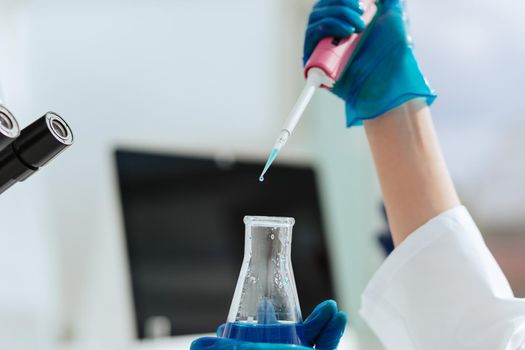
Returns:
(269, 221)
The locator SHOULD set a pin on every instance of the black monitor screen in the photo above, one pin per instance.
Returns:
(183, 219)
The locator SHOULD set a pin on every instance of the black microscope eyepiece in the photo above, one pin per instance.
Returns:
(9, 129)
(43, 140)
(37, 144)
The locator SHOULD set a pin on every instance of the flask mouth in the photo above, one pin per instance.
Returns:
(269, 221)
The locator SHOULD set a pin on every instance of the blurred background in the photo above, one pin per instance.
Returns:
(174, 106)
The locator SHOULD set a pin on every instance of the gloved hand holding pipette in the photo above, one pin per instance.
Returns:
(322, 329)
(373, 72)
(384, 72)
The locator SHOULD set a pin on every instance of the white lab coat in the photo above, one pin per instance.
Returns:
(442, 289)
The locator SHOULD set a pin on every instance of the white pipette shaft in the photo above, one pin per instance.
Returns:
(299, 107)
(315, 79)
(295, 115)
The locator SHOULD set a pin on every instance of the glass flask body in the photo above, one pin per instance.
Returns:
(265, 306)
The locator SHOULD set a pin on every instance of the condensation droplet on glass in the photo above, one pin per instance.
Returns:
(272, 236)
(278, 279)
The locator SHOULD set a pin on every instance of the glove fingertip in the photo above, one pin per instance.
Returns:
(361, 7)
(327, 305)
(332, 333)
(319, 319)
(340, 320)
(327, 309)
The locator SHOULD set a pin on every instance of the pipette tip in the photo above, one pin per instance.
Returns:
(269, 162)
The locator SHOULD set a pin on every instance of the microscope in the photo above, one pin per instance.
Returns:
(23, 152)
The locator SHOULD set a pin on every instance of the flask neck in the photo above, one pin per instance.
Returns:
(268, 244)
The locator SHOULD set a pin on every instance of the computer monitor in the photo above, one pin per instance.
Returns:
(183, 220)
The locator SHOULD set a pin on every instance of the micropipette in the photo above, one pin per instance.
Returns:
(323, 69)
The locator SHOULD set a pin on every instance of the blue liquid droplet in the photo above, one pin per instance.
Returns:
(261, 178)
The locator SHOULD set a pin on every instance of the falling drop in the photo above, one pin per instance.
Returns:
(269, 162)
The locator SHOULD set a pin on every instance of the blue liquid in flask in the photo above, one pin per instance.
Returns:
(275, 333)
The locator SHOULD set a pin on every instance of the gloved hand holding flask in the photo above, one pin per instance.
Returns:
(265, 311)
(322, 329)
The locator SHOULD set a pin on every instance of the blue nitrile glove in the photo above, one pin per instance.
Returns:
(384, 72)
(323, 329)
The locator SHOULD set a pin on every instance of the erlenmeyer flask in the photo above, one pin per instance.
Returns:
(265, 306)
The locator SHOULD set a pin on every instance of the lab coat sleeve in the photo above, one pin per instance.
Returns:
(442, 289)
